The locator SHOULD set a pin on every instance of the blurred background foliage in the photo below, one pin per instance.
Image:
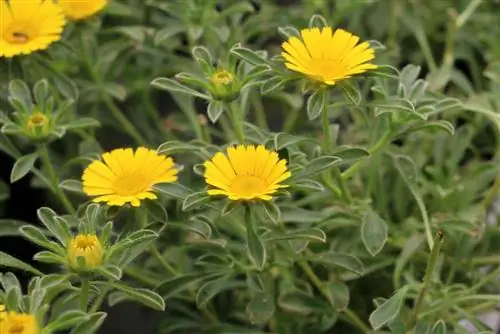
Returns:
(111, 62)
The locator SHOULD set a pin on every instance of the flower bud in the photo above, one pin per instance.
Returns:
(89, 248)
(224, 86)
(37, 125)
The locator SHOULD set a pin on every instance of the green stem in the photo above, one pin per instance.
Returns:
(348, 315)
(84, 293)
(54, 180)
(237, 120)
(381, 143)
(99, 300)
(115, 111)
(260, 113)
(431, 264)
(325, 122)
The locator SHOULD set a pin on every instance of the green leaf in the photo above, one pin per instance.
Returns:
(346, 261)
(91, 325)
(67, 320)
(20, 91)
(174, 190)
(317, 21)
(49, 257)
(303, 303)
(339, 293)
(195, 201)
(203, 57)
(249, 56)
(316, 104)
(22, 166)
(282, 140)
(41, 91)
(144, 296)
(350, 154)
(167, 32)
(181, 283)
(131, 246)
(288, 32)
(256, 250)
(36, 236)
(74, 186)
(408, 76)
(215, 110)
(272, 84)
(174, 86)
(82, 123)
(210, 289)
(313, 234)
(318, 165)
(260, 308)
(307, 184)
(9, 261)
(351, 91)
(389, 310)
(199, 226)
(439, 327)
(385, 71)
(268, 210)
(173, 146)
(116, 90)
(373, 232)
(57, 227)
(439, 125)
(111, 272)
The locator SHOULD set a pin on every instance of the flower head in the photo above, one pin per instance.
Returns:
(28, 26)
(125, 176)
(17, 323)
(87, 246)
(246, 172)
(81, 9)
(327, 56)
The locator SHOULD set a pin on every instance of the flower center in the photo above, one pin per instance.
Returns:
(223, 77)
(37, 119)
(130, 184)
(18, 32)
(16, 328)
(328, 68)
(248, 185)
(85, 243)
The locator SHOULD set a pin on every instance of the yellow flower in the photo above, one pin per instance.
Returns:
(28, 26)
(88, 247)
(327, 56)
(125, 177)
(81, 9)
(17, 323)
(246, 172)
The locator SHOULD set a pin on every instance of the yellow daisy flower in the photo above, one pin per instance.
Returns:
(81, 9)
(327, 56)
(87, 246)
(127, 177)
(246, 172)
(28, 26)
(18, 323)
